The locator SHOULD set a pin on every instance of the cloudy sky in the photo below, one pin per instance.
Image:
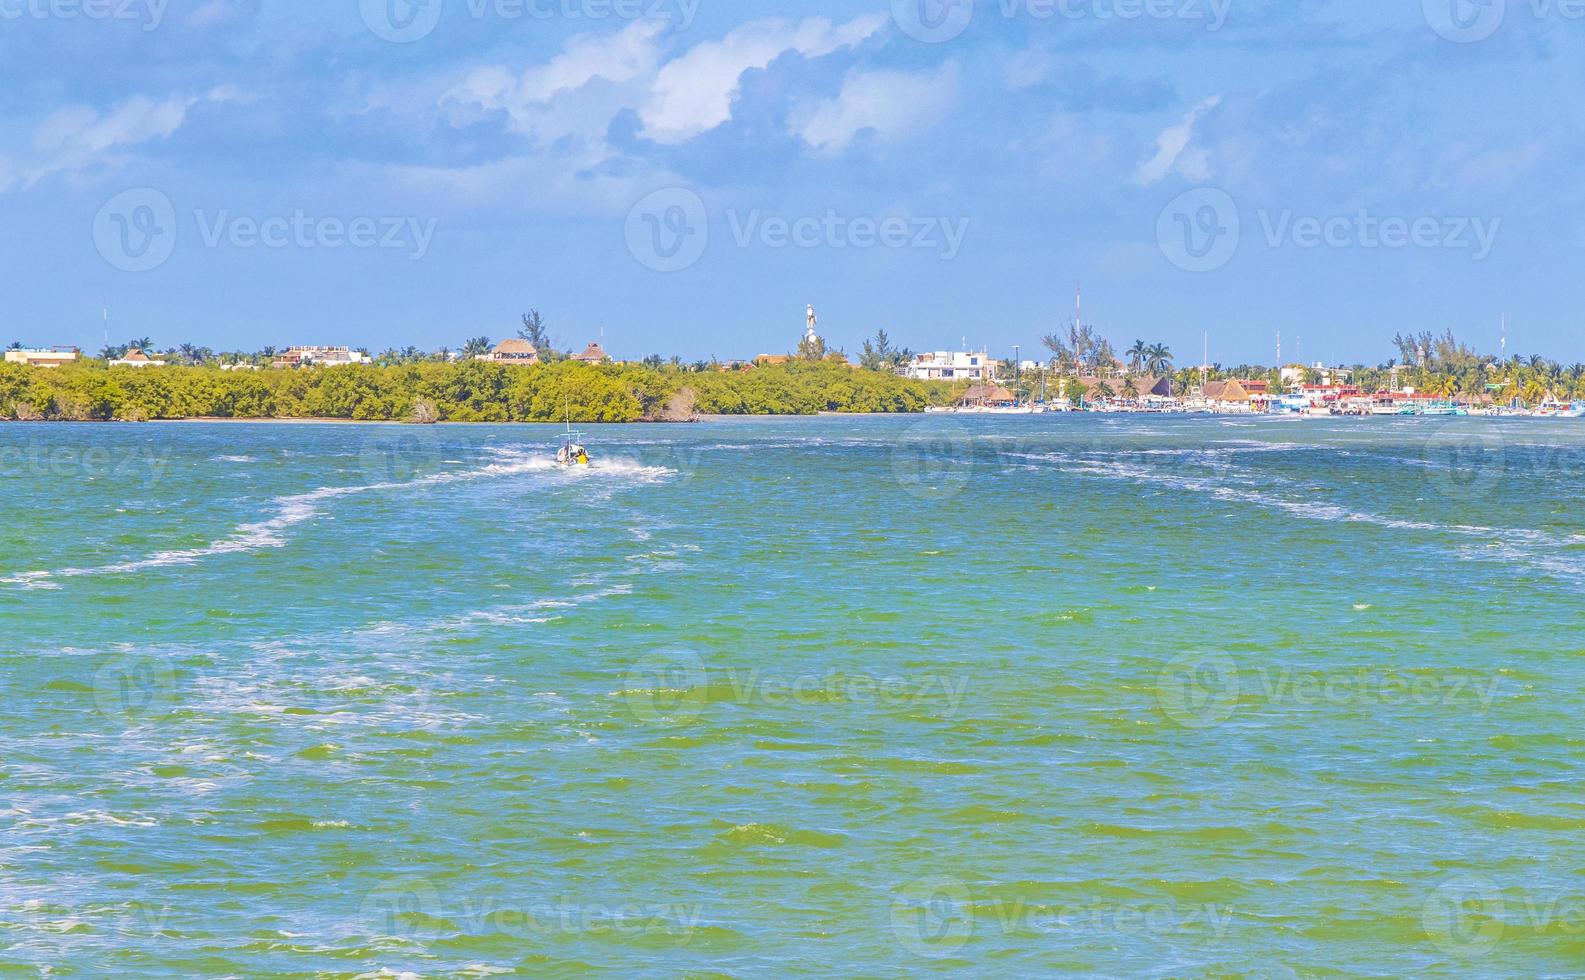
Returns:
(687, 175)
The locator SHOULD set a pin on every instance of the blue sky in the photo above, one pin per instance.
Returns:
(687, 175)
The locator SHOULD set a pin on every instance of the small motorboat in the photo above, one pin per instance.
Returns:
(572, 452)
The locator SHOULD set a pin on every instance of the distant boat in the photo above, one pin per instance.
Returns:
(572, 452)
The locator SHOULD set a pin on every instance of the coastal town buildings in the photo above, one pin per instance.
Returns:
(50, 357)
(320, 357)
(593, 354)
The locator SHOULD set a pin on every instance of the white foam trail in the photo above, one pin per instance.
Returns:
(297, 508)
(1313, 510)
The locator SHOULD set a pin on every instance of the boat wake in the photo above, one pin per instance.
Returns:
(1537, 549)
(295, 509)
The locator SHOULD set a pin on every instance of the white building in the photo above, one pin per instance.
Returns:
(944, 365)
(1295, 374)
(51, 358)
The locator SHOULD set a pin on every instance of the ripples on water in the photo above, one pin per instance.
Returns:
(1116, 696)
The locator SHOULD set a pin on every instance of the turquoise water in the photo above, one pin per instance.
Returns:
(1106, 695)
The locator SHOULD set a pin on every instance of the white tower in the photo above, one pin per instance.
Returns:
(809, 334)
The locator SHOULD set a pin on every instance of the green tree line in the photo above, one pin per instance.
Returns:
(467, 391)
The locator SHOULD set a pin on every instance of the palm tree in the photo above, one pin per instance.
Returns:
(1136, 354)
(1130, 390)
(1158, 359)
(476, 346)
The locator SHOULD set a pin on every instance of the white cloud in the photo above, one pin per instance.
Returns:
(72, 138)
(1171, 146)
(567, 105)
(580, 91)
(1028, 67)
(893, 104)
(630, 53)
(693, 94)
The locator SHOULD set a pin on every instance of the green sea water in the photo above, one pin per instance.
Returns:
(1112, 696)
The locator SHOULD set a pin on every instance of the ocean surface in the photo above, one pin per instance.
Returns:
(1106, 695)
